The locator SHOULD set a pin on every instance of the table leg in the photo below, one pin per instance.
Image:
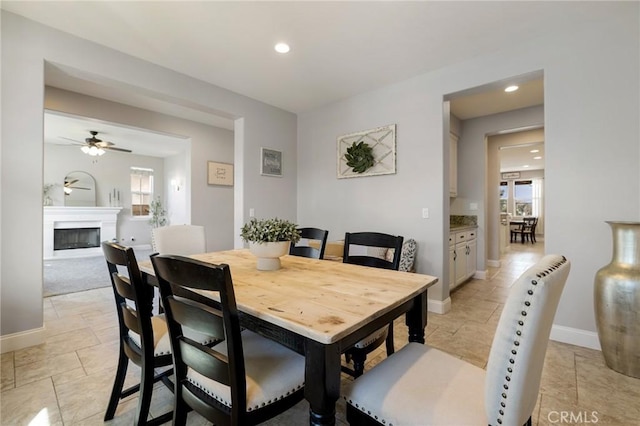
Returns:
(322, 382)
(416, 318)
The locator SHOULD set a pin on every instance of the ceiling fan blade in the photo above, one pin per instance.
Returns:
(69, 183)
(79, 187)
(113, 148)
(104, 144)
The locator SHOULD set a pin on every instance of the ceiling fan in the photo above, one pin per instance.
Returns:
(94, 146)
(68, 186)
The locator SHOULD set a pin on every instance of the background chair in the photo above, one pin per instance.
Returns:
(307, 234)
(423, 385)
(371, 242)
(526, 230)
(246, 379)
(183, 240)
(144, 338)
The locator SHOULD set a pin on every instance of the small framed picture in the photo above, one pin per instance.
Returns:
(270, 162)
(219, 173)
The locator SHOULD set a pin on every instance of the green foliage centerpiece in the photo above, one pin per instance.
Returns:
(269, 239)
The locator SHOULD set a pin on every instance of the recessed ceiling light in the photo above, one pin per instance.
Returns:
(525, 166)
(511, 89)
(537, 158)
(282, 48)
(533, 151)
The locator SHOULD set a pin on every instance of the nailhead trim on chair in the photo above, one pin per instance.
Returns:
(516, 342)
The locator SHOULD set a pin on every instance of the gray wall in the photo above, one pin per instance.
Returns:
(591, 124)
(26, 47)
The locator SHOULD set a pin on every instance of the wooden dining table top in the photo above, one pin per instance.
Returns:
(318, 299)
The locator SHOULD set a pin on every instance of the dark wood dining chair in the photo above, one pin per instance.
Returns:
(526, 230)
(422, 385)
(246, 379)
(306, 234)
(369, 242)
(144, 338)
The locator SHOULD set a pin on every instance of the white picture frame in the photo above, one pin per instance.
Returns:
(383, 143)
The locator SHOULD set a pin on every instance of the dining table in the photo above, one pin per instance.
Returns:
(319, 308)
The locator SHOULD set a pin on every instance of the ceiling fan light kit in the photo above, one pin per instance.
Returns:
(92, 150)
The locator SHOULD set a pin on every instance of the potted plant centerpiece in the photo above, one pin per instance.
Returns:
(269, 239)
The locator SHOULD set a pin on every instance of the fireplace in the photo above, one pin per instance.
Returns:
(76, 238)
(77, 231)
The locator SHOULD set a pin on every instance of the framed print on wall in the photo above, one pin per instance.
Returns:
(270, 162)
(219, 173)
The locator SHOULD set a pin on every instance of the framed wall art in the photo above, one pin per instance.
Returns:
(219, 173)
(367, 153)
(270, 162)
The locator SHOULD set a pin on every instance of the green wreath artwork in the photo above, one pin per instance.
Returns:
(359, 157)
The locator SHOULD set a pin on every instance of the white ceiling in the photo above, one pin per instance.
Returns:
(338, 49)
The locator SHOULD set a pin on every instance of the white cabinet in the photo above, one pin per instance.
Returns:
(453, 165)
(463, 249)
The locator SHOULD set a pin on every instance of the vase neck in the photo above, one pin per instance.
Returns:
(626, 243)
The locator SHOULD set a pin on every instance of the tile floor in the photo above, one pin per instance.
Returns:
(67, 380)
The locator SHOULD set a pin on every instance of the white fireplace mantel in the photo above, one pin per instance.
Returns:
(62, 217)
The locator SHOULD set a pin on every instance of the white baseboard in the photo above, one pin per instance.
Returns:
(21, 340)
(575, 336)
(493, 263)
(439, 306)
(480, 275)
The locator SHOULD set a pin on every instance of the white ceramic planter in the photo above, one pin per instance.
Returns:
(268, 254)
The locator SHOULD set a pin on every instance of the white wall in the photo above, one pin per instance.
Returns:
(26, 46)
(591, 124)
(110, 171)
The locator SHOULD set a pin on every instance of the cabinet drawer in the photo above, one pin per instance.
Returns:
(452, 239)
(471, 235)
(461, 236)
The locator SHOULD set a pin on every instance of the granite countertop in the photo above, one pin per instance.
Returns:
(462, 222)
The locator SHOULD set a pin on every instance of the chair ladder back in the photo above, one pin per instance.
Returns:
(136, 315)
(517, 354)
(373, 239)
(317, 234)
(178, 272)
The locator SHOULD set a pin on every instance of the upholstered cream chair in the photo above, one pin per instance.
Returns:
(182, 240)
(421, 385)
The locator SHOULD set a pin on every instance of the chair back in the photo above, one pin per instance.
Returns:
(519, 346)
(373, 239)
(182, 240)
(175, 274)
(316, 234)
(134, 302)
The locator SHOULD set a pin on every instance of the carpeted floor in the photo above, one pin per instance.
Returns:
(62, 276)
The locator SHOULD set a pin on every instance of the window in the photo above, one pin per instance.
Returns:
(141, 191)
(523, 194)
(504, 196)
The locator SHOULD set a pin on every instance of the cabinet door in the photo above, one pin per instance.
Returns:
(452, 267)
(453, 165)
(461, 262)
(472, 257)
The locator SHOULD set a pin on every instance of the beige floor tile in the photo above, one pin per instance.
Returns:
(53, 365)
(7, 371)
(56, 345)
(34, 403)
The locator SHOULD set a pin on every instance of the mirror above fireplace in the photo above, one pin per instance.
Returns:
(79, 190)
